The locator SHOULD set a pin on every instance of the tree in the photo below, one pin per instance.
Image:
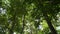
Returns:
(17, 13)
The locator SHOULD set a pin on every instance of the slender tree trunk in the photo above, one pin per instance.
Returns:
(0, 3)
(37, 23)
(13, 23)
(13, 19)
(53, 31)
(23, 20)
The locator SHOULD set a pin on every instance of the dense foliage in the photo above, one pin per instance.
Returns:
(29, 17)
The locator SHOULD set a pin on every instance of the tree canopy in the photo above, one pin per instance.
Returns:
(29, 17)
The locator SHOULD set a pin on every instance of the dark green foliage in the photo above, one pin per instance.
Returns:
(21, 12)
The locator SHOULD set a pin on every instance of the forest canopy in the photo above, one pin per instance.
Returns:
(29, 17)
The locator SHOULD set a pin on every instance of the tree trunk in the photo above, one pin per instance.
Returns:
(53, 31)
(14, 21)
(0, 3)
(13, 24)
(23, 20)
